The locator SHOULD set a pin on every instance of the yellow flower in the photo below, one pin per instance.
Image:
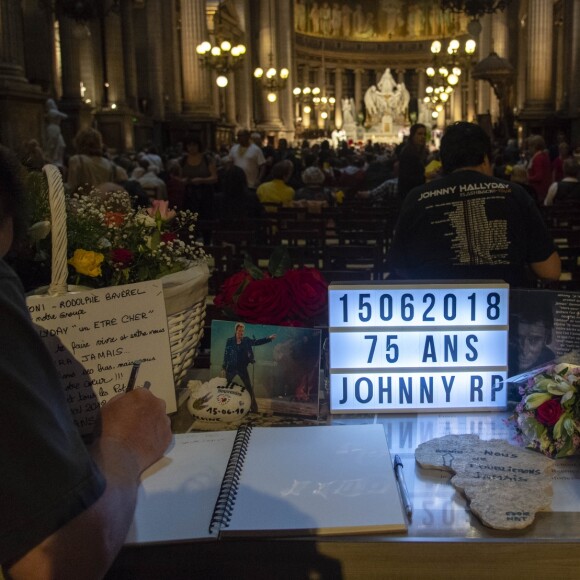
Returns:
(87, 263)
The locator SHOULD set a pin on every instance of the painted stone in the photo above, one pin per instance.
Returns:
(505, 485)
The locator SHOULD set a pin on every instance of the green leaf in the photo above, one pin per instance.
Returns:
(252, 269)
(534, 400)
(566, 449)
(280, 262)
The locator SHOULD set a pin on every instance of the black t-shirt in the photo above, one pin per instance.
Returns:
(468, 225)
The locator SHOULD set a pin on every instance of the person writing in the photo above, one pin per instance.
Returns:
(469, 224)
(65, 508)
(238, 355)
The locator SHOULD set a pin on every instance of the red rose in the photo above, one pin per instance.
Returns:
(549, 412)
(264, 301)
(168, 237)
(225, 297)
(308, 292)
(122, 258)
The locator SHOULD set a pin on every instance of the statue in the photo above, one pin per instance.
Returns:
(348, 111)
(386, 98)
(54, 144)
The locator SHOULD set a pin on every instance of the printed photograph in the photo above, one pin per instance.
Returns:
(278, 365)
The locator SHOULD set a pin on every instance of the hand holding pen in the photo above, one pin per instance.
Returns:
(133, 376)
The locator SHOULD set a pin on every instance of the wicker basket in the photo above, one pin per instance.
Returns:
(185, 292)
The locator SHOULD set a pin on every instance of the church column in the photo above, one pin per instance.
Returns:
(471, 99)
(155, 48)
(499, 39)
(358, 96)
(483, 88)
(572, 22)
(20, 99)
(243, 74)
(322, 84)
(113, 52)
(269, 112)
(230, 96)
(285, 14)
(455, 106)
(539, 65)
(338, 96)
(129, 61)
(306, 117)
(196, 79)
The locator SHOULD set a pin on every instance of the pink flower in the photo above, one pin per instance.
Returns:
(162, 206)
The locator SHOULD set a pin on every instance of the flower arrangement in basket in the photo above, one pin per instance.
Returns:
(547, 418)
(110, 243)
(280, 295)
(98, 240)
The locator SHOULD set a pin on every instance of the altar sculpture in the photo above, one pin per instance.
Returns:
(386, 103)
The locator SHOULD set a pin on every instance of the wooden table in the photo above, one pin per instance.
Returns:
(444, 539)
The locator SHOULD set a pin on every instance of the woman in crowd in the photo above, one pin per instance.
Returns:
(90, 167)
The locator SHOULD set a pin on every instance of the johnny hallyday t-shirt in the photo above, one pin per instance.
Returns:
(468, 225)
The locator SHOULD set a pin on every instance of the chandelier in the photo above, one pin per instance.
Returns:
(225, 54)
(222, 57)
(447, 67)
(272, 80)
(474, 8)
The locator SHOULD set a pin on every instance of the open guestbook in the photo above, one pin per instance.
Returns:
(274, 481)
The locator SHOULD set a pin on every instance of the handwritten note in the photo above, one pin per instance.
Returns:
(95, 336)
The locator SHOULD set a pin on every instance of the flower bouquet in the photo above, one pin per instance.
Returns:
(280, 295)
(110, 243)
(547, 418)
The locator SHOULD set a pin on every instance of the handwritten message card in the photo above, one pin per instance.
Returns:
(97, 335)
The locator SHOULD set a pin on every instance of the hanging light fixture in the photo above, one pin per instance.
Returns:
(448, 64)
(271, 79)
(223, 56)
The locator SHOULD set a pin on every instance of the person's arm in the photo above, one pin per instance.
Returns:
(549, 269)
(551, 194)
(135, 433)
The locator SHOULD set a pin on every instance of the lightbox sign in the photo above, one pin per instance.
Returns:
(418, 346)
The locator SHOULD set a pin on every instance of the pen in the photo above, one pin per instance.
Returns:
(133, 376)
(403, 486)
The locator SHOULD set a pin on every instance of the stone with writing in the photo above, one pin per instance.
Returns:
(505, 485)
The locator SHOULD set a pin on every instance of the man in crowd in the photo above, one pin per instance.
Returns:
(249, 157)
(469, 224)
(65, 508)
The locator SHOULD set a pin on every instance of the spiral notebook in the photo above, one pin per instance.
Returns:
(272, 481)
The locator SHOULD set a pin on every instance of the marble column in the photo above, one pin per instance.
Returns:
(155, 50)
(243, 74)
(285, 14)
(129, 60)
(321, 82)
(268, 54)
(11, 42)
(196, 78)
(114, 49)
(230, 97)
(20, 99)
(71, 62)
(358, 96)
(572, 67)
(306, 117)
(500, 44)
(483, 88)
(338, 96)
(539, 89)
